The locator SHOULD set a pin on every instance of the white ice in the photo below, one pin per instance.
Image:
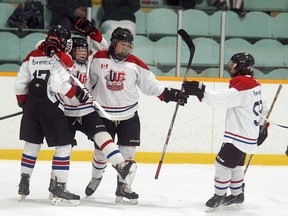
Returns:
(180, 190)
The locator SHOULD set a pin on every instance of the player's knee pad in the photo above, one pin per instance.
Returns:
(32, 149)
(63, 151)
(128, 152)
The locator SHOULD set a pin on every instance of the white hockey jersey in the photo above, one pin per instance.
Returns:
(116, 83)
(38, 65)
(244, 102)
(72, 107)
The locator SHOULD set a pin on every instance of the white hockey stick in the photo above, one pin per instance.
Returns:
(266, 121)
(191, 47)
(95, 104)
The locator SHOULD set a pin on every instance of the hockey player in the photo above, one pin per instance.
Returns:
(81, 114)
(39, 81)
(244, 102)
(115, 75)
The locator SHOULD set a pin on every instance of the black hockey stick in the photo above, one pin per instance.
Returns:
(186, 38)
(266, 122)
(11, 115)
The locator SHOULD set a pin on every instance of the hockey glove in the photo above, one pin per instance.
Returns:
(51, 45)
(84, 26)
(263, 133)
(194, 88)
(81, 95)
(171, 94)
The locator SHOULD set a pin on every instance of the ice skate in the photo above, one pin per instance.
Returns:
(237, 200)
(23, 190)
(215, 202)
(125, 195)
(92, 186)
(127, 171)
(51, 188)
(61, 196)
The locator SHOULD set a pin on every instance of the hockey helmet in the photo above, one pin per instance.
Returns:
(63, 35)
(120, 35)
(242, 63)
(79, 50)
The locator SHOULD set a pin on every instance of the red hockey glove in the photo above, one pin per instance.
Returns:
(51, 45)
(84, 26)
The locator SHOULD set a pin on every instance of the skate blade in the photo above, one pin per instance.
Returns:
(234, 206)
(51, 196)
(63, 202)
(22, 197)
(210, 209)
(122, 200)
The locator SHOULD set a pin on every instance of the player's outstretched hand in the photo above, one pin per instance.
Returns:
(194, 88)
(84, 26)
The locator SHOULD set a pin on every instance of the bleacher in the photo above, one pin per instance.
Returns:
(262, 32)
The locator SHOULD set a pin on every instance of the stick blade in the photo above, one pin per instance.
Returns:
(184, 35)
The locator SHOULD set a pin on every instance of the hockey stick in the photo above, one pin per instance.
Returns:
(11, 115)
(95, 104)
(186, 38)
(266, 121)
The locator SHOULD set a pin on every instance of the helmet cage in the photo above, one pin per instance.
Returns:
(120, 35)
(80, 46)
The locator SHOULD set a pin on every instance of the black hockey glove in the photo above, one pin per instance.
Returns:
(84, 26)
(194, 88)
(51, 45)
(81, 95)
(171, 94)
(263, 133)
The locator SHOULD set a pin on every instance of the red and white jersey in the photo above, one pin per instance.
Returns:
(244, 102)
(115, 84)
(72, 106)
(38, 65)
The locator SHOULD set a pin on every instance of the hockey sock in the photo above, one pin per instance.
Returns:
(222, 179)
(29, 157)
(99, 164)
(237, 180)
(61, 163)
(108, 147)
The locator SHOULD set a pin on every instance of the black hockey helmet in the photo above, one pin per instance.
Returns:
(120, 34)
(242, 63)
(79, 43)
(63, 35)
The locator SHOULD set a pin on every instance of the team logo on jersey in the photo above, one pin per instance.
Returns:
(115, 80)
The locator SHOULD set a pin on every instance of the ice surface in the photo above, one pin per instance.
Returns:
(180, 190)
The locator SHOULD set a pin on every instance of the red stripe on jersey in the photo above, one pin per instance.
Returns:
(71, 92)
(240, 136)
(105, 144)
(242, 83)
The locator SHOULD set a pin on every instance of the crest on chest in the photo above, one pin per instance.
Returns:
(114, 80)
